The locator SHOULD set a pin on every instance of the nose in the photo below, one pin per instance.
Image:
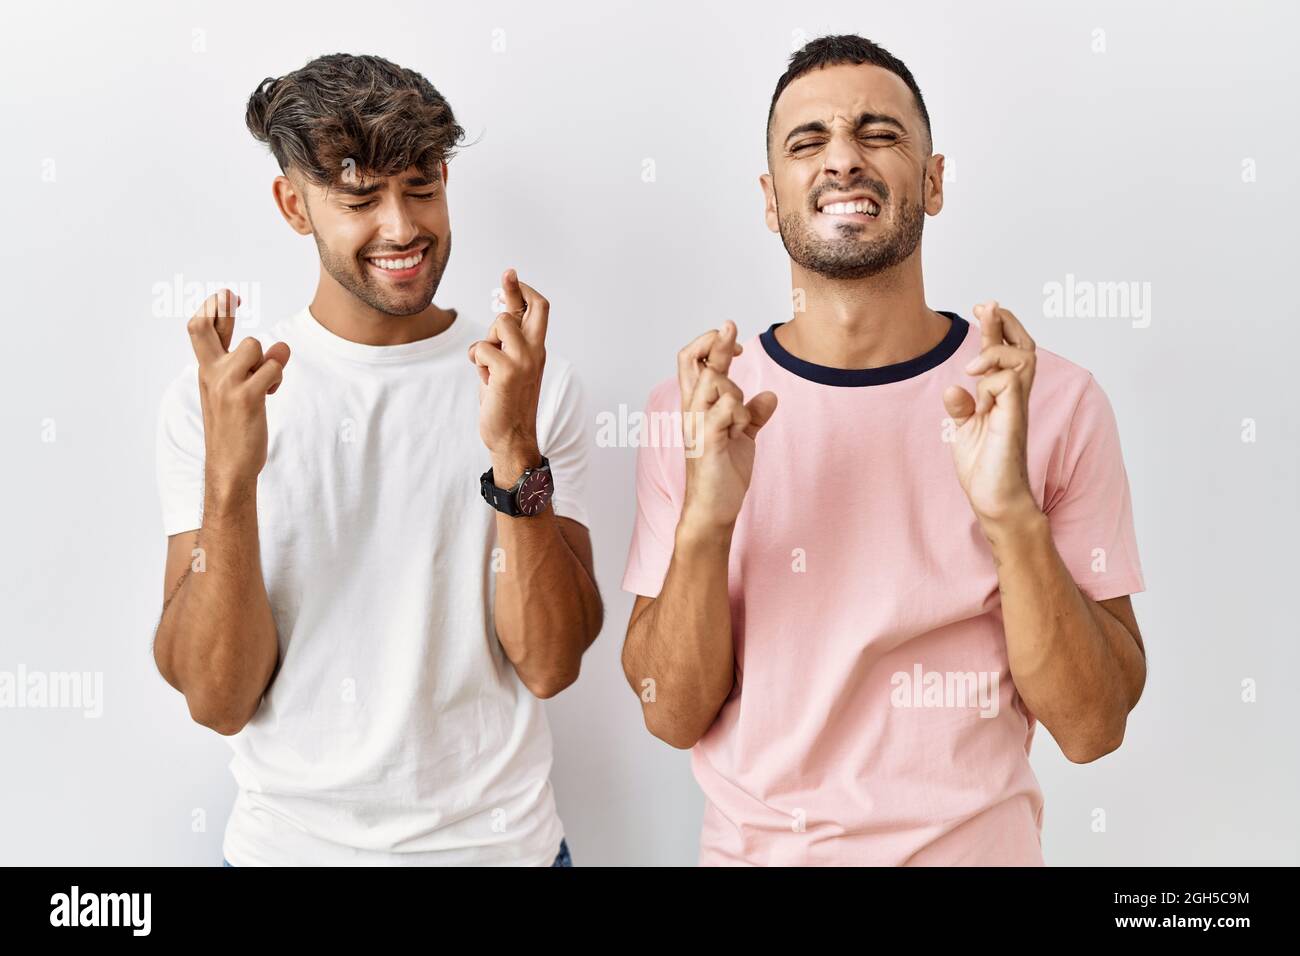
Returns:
(395, 223)
(843, 156)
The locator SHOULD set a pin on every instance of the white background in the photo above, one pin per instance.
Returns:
(1117, 166)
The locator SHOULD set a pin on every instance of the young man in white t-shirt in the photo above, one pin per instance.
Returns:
(373, 576)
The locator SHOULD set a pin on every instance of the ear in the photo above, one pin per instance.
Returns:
(769, 203)
(934, 185)
(292, 205)
(444, 174)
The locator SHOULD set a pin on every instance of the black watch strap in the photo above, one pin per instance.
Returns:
(502, 499)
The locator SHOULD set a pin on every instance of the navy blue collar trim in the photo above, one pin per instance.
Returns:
(881, 375)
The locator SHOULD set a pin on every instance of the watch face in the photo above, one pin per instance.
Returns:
(535, 493)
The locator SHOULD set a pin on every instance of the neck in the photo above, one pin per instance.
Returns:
(862, 323)
(349, 318)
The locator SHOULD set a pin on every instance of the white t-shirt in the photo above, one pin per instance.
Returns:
(396, 731)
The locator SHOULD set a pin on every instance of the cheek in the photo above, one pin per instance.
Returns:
(348, 235)
(903, 175)
(793, 190)
(435, 220)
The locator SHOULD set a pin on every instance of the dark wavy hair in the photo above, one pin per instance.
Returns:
(342, 109)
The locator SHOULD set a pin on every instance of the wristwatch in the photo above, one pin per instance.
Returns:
(527, 496)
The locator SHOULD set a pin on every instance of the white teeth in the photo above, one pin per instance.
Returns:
(397, 264)
(865, 206)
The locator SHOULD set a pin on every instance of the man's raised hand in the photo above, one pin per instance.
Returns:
(233, 386)
(719, 429)
(510, 362)
(990, 446)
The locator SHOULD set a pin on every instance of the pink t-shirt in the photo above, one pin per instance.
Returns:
(873, 719)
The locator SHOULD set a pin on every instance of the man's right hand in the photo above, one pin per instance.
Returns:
(716, 416)
(233, 386)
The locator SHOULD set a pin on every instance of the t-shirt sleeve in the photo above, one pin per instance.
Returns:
(180, 454)
(562, 438)
(1091, 510)
(660, 480)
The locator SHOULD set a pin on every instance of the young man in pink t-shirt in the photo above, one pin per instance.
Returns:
(857, 620)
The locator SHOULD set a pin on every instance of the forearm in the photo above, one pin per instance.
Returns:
(547, 606)
(682, 641)
(1076, 667)
(217, 641)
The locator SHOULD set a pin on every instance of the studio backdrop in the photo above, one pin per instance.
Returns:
(1123, 177)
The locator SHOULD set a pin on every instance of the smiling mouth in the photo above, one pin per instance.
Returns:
(855, 210)
(399, 267)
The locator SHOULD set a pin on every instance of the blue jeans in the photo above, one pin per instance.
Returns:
(561, 859)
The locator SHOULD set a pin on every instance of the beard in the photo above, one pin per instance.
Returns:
(849, 255)
(352, 273)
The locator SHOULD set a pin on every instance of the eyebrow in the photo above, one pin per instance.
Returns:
(866, 119)
(412, 182)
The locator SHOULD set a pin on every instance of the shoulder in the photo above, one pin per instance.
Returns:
(1068, 408)
(181, 393)
(1065, 399)
(1061, 385)
(665, 395)
(179, 421)
(561, 402)
(1057, 379)
(560, 377)
(558, 366)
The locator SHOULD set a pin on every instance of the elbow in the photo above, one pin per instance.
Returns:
(225, 724)
(228, 728)
(165, 654)
(673, 733)
(208, 706)
(162, 660)
(676, 738)
(225, 719)
(596, 622)
(1094, 747)
(549, 685)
